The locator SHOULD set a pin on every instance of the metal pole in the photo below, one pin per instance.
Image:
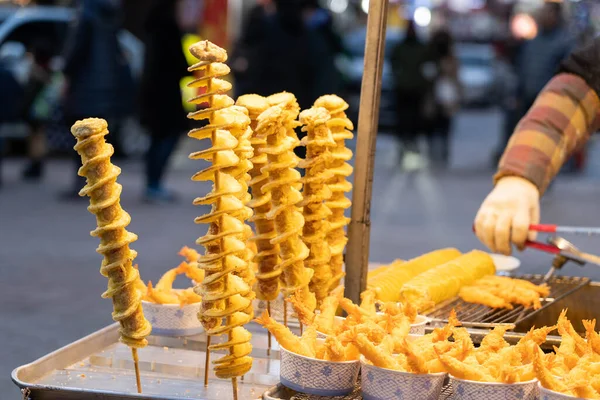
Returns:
(357, 251)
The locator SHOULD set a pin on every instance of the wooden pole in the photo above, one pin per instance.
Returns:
(357, 251)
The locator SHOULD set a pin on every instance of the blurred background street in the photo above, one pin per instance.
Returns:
(454, 87)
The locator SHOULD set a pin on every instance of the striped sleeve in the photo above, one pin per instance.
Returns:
(562, 118)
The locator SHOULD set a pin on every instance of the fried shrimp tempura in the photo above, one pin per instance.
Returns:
(283, 335)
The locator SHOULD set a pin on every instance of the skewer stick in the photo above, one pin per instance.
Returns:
(207, 361)
(235, 388)
(285, 312)
(136, 364)
(268, 332)
(357, 250)
(301, 328)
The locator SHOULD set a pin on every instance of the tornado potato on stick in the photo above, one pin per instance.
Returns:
(318, 141)
(341, 129)
(277, 124)
(225, 294)
(105, 194)
(267, 257)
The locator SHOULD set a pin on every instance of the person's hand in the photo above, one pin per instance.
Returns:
(506, 213)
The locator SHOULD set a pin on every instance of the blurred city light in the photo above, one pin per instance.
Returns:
(338, 6)
(422, 16)
(365, 5)
(523, 26)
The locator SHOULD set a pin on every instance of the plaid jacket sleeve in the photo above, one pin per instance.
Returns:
(562, 118)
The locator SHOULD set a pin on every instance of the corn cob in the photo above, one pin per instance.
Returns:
(318, 141)
(225, 295)
(372, 274)
(277, 124)
(341, 130)
(391, 281)
(267, 257)
(444, 281)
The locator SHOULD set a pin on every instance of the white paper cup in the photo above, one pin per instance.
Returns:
(317, 377)
(547, 394)
(172, 319)
(383, 384)
(469, 390)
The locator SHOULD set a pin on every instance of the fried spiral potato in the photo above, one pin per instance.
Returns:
(267, 256)
(277, 124)
(445, 281)
(318, 142)
(105, 193)
(341, 130)
(225, 294)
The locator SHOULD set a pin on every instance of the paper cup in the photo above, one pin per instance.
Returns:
(469, 390)
(172, 319)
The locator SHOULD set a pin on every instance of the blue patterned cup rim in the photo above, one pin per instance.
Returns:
(363, 361)
(525, 383)
(173, 306)
(550, 391)
(316, 360)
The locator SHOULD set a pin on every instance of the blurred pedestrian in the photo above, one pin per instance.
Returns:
(409, 61)
(447, 97)
(325, 46)
(99, 80)
(34, 106)
(161, 104)
(273, 54)
(540, 57)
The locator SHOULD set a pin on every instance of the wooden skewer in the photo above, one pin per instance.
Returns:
(285, 312)
(301, 329)
(357, 250)
(136, 364)
(269, 333)
(206, 361)
(235, 388)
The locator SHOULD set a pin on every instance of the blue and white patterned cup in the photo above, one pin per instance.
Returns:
(471, 390)
(318, 377)
(383, 384)
(547, 394)
(172, 319)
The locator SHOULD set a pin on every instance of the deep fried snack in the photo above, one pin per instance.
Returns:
(341, 130)
(267, 256)
(277, 124)
(104, 193)
(445, 281)
(479, 295)
(391, 281)
(318, 142)
(224, 291)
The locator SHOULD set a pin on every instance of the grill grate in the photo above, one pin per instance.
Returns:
(469, 313)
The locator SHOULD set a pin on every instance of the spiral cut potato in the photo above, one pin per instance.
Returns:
(225, 294)
(318, 141)
(391, 281)
(277, 124)
(341, 130)
(104, 193)
(445, 281)
(267, 256)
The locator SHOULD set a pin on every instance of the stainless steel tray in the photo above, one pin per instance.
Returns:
(99, 367)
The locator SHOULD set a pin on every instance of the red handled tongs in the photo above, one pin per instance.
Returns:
(567, 230)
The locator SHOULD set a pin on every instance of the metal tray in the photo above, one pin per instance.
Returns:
(99, 367)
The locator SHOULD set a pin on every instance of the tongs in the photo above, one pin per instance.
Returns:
(567, 230)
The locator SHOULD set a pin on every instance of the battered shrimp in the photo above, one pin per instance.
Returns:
(309, 339)
(416, 362)
(463, 370)
(325, 319)
(193, 272)
(565, 328)
(592, 336)
(545, 377)
(165, 283)
(368, 298)
(283, 335)
(375, 355)
(190, 254)
(334, 350)
(304, 313)
(494, 341)
(374, 332)
(188, 296)
(160, 297)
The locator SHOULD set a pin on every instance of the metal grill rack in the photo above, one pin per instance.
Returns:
(477, 315)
